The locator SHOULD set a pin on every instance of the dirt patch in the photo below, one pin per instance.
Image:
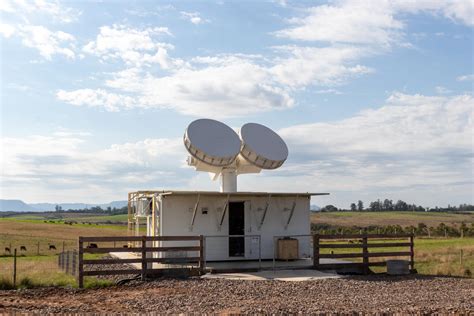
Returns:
(374, 294)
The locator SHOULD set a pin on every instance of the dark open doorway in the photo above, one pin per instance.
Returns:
(236, 227)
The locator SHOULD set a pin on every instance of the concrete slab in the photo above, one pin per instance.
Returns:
(280, 275)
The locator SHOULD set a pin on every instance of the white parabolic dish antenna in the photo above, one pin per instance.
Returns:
(216, 148)
(262, 147)
(212, 142)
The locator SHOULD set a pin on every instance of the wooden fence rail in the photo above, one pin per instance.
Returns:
(148, 254)
(361, 242)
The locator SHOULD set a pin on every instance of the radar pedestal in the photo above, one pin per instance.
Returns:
(216, 148)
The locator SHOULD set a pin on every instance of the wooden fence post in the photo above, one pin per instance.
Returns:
(80, 272)
(74, 262)
(316, 251)
(412, 253)
(60, 260)
(67, 262)
(365, 253)
(14, 268)
(201, 254)
(143, 258)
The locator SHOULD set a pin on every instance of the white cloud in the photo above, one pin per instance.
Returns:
(465, 78)
(348, 22)
(193, 17)
(6, 30)
(62, 163)
(442, 90)
(53, 9)
(413, 140)
(362, 22)
(48, 43)
(96, 98)
(236, 88)
(319, 66)
(133, 46)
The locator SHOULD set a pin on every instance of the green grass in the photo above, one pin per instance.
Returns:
(38, 271)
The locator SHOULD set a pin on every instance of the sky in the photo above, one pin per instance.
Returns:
(373, 98)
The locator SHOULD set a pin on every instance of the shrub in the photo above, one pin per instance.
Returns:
(26, 283)
(6, 284)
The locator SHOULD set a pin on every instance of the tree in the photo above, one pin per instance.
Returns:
(58, 208)
(360, 205)
(353, 207)
(329, 208)
(387, 205)
(375, 206)
(401, 206)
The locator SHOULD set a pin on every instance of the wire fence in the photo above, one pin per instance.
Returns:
(35, 262)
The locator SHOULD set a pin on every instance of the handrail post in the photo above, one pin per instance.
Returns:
(144, 258)
(365, 253)
(412, 253)
(201, 254)
(80, 274)
(316, 251)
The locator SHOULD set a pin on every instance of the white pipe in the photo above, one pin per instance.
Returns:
(228, 180)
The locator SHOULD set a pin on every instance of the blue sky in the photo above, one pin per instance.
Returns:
(374, 98)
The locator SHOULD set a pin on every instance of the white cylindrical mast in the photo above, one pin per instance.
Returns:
(228, 180)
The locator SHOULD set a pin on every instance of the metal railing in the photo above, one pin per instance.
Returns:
(219, 247)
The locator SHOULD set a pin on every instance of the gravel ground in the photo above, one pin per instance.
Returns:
(372, 294)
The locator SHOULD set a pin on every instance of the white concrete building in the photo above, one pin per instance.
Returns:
(259, 216)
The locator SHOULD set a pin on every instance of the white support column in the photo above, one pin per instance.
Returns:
(228, 180)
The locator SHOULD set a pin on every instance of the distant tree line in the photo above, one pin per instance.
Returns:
(389, 205)
(96, 209)
(442, 230)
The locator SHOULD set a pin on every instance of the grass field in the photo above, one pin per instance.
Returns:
(403, 219)
(43, 269)
(434, 256)
(70, 216)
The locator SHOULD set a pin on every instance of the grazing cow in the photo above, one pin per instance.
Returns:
(22, 248)
(92, 246)
(52, 247)
(7, 250)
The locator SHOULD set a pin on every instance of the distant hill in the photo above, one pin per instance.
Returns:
(15, 206)
(20, 206)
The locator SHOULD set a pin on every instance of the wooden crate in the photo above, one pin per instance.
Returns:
(287, 249)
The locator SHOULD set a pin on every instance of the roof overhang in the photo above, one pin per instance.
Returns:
(216, 193)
